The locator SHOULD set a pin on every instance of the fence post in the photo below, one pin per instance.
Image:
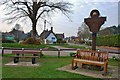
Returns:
(40, 53)
(2, 51)
(22, 50)
(58, 53)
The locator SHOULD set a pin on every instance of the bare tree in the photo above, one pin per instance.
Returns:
(17, 26)
(34, 10)
(83, 31)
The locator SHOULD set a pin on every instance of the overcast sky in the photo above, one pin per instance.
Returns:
(81, 10)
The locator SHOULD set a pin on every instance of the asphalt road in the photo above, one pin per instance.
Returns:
(66, 53)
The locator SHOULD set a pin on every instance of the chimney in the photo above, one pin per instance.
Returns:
(51, 28)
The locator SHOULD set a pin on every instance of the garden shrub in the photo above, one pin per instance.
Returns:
(31, 41)
(112, 40)
(72, 53)
(61, 41)
(7, 41)
(89, 43)
(41, 55)
(81, 41)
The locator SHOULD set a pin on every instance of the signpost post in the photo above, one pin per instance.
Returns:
(94, 22)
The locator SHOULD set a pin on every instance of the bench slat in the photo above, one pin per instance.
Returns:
(89, 62)
(25, 52)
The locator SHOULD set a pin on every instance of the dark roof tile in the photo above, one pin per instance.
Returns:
(60, 36)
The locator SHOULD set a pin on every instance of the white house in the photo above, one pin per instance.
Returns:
(50, 37)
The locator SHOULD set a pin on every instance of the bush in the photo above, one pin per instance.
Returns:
(72, 53)
(89, 43)
(7, 41)
(60, 41)
(31, 41)
(112, 40)
(41, 55)
(81, 41)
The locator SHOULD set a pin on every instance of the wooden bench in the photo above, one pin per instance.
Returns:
(91, 57)
(19, 54)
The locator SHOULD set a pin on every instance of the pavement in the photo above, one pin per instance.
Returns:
(60, 47)
(111, 73)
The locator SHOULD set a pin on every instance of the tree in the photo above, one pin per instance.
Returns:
(83, 31)
(17, 26)
(34, 10)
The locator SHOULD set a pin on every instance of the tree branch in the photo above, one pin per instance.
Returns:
(42, 13)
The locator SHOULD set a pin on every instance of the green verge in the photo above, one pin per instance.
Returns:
(47, 69)
(48, 46)
(113, 62)
(17, 45)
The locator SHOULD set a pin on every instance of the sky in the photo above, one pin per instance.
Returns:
(80, 10)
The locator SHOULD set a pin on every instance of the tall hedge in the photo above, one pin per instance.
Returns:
(113, 40)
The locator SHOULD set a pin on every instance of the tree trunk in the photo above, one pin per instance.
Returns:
(34, 32)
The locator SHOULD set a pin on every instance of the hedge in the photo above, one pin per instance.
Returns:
(113, 40)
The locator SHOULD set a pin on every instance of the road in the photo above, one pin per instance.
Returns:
(112, 52)
(51, 53)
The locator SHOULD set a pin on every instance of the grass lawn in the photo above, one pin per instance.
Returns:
(48, 46)
(17, 45)
(47, 69)
(113, 62)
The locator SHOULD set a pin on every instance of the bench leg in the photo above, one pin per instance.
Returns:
(72, 64)
(74, 67)
(76, 64)
(16, 59)
(82, 65)
(33, 61)
(105, 69)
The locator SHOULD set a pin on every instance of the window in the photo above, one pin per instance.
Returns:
(53, 38)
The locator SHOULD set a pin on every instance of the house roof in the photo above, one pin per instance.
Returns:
(46, 33)
(60, 36)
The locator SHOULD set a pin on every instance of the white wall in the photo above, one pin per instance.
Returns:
(51, 38)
